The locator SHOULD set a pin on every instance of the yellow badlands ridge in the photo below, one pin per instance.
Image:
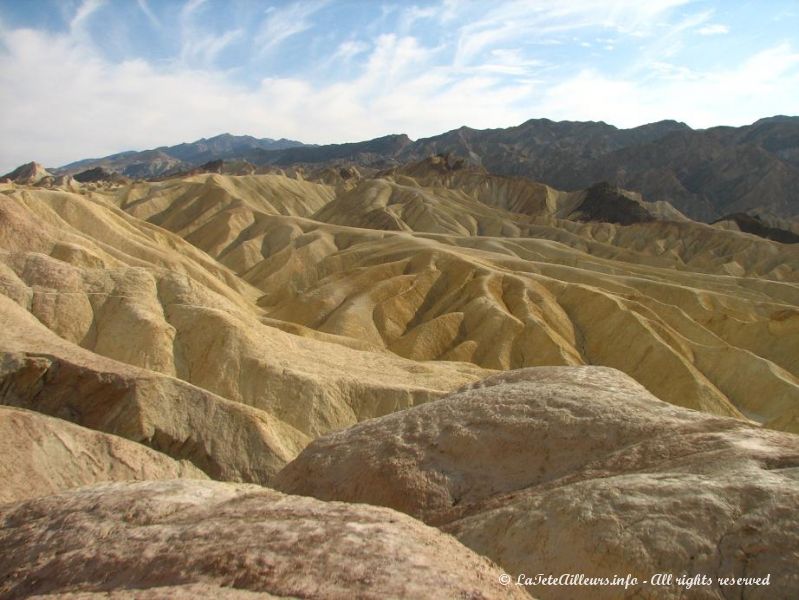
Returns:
(341, 323)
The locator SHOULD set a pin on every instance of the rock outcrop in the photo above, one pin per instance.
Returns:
(219, 540)
(606, 203)
(755, 225)
(578, 470)
(30, 173)
(41, 455)
(99, 174)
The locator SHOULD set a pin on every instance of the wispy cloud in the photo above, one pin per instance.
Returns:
(547, 19)
(418, 70)
(412, 14)
(148, 12)
(282, 23)
(205, 47)
(508, 61)
(200, 46)
(665, 46)
(390, 94)
(190, 8)
(348, 49)
(715, 29)
(78, 23)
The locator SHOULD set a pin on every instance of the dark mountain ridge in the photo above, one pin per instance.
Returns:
(225, 146)
(376, 152)
(704, 173)
(181, 157)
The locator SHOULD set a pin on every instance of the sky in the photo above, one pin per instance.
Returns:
(87, 78)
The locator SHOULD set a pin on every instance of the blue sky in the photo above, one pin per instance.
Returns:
(87, 78)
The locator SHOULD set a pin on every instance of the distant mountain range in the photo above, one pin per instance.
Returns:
(173, 159)
(705, 173)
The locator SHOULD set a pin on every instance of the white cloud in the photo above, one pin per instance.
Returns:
(347, 50)
(62, 100)
(191, 7)
(665, 70)
(669, 42)
(77, 104)
(199, 46)
(84, 12)
(715, 29)
(145, 8)
(282, 23)
(544, 20)
(763, 85)
(507, 61)
(205, 47)
(393, 58)
(411, 15)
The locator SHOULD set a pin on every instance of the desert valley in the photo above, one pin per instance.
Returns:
(405, 369)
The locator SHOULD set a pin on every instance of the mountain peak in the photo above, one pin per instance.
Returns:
(777, 119)
(29, 173)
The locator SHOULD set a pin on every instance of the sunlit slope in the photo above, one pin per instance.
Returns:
(228, 216)
(703, 318)
(693, 339)
(127, 290)
(481, 205)
(227, 440)
(209, 210)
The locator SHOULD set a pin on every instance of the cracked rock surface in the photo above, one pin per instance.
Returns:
(189, 539)
(578, 470)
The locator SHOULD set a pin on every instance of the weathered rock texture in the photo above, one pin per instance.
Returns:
(207, 539)
(41, 455)
(578, 470)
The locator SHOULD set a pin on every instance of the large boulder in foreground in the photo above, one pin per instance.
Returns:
(41, 455)
(209, 539)
(579, 470)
